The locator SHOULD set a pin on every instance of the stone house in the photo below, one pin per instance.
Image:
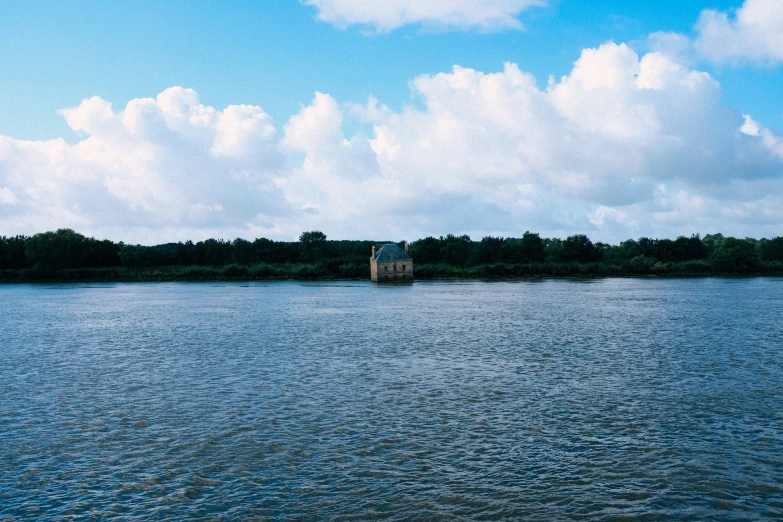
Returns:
(391, 263)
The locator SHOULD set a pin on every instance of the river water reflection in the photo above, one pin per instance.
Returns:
(552, 400)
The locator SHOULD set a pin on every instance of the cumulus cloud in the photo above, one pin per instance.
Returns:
(621, 146)
(6, 196)
(167, 161)
(769, 139)
(387, 15)
(754, 33)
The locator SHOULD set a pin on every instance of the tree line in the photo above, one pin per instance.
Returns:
(52, 254)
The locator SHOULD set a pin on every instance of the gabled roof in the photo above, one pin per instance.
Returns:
(391, 253)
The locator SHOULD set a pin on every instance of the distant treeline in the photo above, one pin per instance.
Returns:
(67, 255)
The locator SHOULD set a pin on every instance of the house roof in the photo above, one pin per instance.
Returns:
(391, 253)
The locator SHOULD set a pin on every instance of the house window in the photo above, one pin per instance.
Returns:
(403, 268)
(385, 268)
(386, 277)
(404, 276)
(395, 267)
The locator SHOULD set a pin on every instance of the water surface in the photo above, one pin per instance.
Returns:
(554, 400)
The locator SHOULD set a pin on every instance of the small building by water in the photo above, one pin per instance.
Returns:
(391, 263)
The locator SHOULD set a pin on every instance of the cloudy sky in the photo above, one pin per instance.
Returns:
(149, 121)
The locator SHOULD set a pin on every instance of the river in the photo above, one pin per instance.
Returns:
(603, 399)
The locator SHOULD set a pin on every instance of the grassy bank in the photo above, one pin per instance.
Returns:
(65, 255)
(353, 271)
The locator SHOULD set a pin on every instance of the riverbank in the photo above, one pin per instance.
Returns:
(323, 271)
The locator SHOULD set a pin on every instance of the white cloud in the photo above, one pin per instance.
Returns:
(754, 33)
(168, 161)
(6, 196)
(494, 153)
(769, 139)
(604, 215)
(387, 15)
(676, 45)
(621, 146)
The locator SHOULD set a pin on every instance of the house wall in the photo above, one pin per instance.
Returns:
(386, 271)
(373, 270)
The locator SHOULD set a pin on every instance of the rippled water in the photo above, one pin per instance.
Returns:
(553, 400)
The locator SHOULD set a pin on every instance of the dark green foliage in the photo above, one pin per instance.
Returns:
(624, 252)
(528, 249)
(67, 249)
(642, 264)
(355, 270)
(312, 238)
(490, 249)
(242, 251)
(65, 255)
(212, 252)
(426, 251)
(710, 242)
(137, 256)
(312, 246)
(456, 250)
(553, 251)
(734, 256)
(687, 249)
(531, 248)
(771, 268)
(235, 271)
(665, 250)
(580, 249)
(54, 249)
(772, 249)
(695, 267)
(12, 252)
(216, 252)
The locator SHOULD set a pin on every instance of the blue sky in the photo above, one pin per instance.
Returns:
(276, 55)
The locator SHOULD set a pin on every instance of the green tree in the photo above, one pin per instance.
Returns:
(490, 249)
(711, 242)
(267, 251)
(527, 249)
(623, 252)
(554, 250)
(734, 255)
(186, 254)
(243, 251)
(137, 256)
(426, 251)
(215, 252)
(312, 246)
(579, 248)
(12, 252)
(60, 249)
(664, 250)
(772, 249)
(531, 247)
(689, 248)
(646, 247)
(456, 250)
